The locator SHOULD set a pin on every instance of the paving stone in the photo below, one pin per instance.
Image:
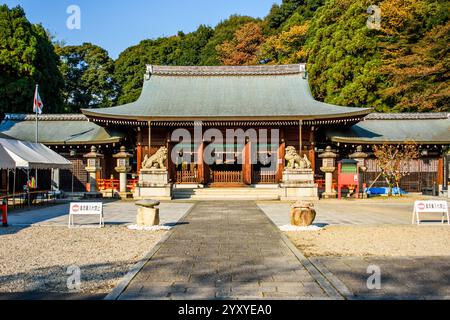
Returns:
(226, 250)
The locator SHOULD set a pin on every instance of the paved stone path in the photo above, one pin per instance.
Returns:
(227, 250)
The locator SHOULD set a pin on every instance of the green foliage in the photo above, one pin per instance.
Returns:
(27, 58)
(224, 31)
(402, 67)
(87, 72)
(290, 13)
(344, 57)
(416, 56)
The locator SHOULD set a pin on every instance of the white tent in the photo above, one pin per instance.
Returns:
(6, 162)
(29, 155)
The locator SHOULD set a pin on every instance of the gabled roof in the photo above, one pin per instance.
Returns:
(55, 129)
(378, 128)
(248, 92)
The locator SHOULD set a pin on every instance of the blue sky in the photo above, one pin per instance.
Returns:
(118, 24)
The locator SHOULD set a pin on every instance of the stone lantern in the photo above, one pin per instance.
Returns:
(328, 167)
(123, 167)
(360, 156)
(92, 167)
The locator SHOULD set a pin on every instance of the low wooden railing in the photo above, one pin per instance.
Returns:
(264, 177)
(321, 183)
(226, 177)
(114, 184)
(187, 177)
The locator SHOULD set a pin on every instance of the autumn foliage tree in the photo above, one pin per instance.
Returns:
(416, 56)
(244, 47)
(393, 161)
(287, 47)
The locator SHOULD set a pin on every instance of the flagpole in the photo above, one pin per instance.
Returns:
(37, 128)
(36, 111)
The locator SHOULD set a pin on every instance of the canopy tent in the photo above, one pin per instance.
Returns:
(29, 155)
(6, 162)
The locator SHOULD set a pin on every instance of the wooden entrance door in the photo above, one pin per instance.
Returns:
(228, 170)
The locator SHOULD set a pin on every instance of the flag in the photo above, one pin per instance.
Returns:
(37, 103)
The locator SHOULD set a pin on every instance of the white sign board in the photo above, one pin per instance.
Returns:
(430, 206)
(84, 209)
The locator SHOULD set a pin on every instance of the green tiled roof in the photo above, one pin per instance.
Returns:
(57, 129)
(266, 92)
(396, 128)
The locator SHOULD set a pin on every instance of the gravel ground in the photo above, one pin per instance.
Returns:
(36, 259)
(387, 240)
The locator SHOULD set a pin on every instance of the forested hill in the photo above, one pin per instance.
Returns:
(400, 65)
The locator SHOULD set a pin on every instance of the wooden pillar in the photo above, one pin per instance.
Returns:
(139, 158)
(280, 157)
(247, 165)
(440, 173)
(150, 141)
(300, 137)
(200, 163)
(312, 158)
(312, 153)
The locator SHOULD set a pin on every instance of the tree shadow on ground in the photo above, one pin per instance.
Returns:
(400, 277)
(96, 281)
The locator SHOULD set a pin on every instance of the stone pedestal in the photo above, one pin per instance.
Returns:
(298, 184)
(93, 191)
(153, 184)
(123, 192)
(329, 193)
(147, 215)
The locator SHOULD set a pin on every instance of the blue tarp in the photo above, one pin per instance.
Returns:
(384, 191)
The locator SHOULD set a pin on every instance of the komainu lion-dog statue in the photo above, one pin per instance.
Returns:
(155, 161)
(294, 161)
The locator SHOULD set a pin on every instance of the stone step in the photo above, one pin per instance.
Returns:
(228, 193)
(227, 197)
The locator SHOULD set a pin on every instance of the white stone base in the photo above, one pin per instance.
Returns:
(298, 176)
(153, 185)
(299, 192)
(298, 184)
(329, 195)
(153, 193)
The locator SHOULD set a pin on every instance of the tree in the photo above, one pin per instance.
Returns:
(343, 55)
(189, 51)
(287, 47)
(290, 13)
(393, 162)
(224, 31)
(416, 55)
(243, 49)
(27, 58)
(88, 75)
